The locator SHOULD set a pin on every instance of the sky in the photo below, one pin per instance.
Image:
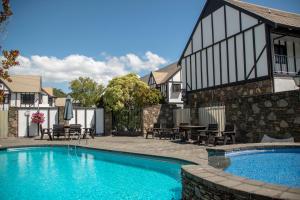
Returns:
(64, 39)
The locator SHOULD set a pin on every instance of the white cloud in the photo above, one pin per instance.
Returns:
(71, 67)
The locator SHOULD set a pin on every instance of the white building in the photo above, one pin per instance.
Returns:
(236, 43)
(168, 81)
(25, 91)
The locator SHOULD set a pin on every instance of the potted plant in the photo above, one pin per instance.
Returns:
(38, 118)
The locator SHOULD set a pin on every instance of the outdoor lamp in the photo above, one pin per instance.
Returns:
(297, 81)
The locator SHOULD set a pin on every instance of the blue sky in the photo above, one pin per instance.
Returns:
(64, 39)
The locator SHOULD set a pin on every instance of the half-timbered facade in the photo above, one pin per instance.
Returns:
(168, 81)
(237, 43)
(25, 91)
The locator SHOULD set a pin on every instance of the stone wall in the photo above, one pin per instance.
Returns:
(277, 114)
(162, 113)
(13, 122)
(210, 188)
(223, 94)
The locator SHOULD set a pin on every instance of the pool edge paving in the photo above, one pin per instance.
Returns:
(200, 180)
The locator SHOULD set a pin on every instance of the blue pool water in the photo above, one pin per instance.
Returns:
(276, 166)
(59, 173)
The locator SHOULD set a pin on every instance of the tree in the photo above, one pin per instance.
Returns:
(59, 93)
(86, 91)
(6, 11)
(9, 57)
(125, 96)
(129, 91)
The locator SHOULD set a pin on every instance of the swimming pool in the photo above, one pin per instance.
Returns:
(61, 173)
(276, 166)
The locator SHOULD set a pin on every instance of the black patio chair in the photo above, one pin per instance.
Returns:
(74, 130)
(208, 134)
(45, 131)
(58, 130)
(149, 131)
(167, 132)
(227, 135)
(89, 131)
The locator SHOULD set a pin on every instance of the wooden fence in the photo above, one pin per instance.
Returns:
(211, 115)
(3, 124)
(181, 116)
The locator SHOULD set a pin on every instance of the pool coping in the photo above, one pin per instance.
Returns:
(251, 189)
(209, 175)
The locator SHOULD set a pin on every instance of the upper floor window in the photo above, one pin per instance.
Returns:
(6, 98)
(280, 54)
(50, 101)
(176, 87)
(27, 98)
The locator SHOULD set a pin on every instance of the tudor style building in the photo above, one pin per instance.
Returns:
(25, 91)
(168, 81)
(237, 48)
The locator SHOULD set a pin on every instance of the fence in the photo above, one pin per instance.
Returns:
(3, 124)
(87, 117)
(181, 116)
(213, 114)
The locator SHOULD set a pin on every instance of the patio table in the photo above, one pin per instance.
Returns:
(187, 128)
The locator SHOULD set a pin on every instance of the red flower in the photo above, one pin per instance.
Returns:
(38, 118)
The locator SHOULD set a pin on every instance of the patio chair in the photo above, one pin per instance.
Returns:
(89, 131)
(228, 134)
(75, 129)
(208, 134)
(156, 129)
(167, 132)
(149, 131)
(58, 130)
(47, 131)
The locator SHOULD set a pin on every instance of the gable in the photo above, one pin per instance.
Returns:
(227, 46)
(218, 20)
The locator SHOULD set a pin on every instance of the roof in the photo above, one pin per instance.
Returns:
(24, 83)
(164, 74)
(277, 16)
(145, 78)
(48, 90)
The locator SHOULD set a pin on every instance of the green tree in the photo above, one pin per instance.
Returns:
(59, 93)
(86, 91)
(125, 96)
(129, 91)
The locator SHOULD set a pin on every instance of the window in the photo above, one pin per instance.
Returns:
(280, 54)
(27, 98)
(6, 99)
(50, 101)
(176, 87)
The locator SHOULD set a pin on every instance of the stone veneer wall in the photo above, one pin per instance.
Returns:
(253, 108)
(161, 113)
(275, 113)
(13, 122)
(223, 94)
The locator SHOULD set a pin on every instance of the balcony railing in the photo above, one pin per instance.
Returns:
(286, 64)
